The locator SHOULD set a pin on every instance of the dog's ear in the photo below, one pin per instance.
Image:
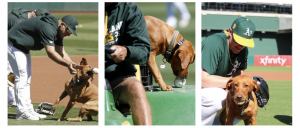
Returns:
(184, 58)
(83, 62)
(229, 84)
(193, 58)
(255, 86)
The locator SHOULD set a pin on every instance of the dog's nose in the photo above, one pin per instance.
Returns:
(239, 96)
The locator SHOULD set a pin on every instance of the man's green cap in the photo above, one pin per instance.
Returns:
(71, 23)
(41, 12)
(243, 30)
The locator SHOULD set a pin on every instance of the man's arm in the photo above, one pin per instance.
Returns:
(61, 51)
(213, 80)
(53, 55)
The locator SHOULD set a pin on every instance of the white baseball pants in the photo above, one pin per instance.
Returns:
(213, 102)
(21, 66)
(10, 90)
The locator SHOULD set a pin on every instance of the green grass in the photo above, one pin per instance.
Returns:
(268, 69)
(86, 41)
(279, 108)
(51, 120)
(188, 33)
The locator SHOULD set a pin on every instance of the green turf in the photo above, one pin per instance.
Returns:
(51, 120)
(86, 41)
(268, 69)
(279, 108)
(188, 33)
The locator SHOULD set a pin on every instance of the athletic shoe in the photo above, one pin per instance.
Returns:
(184, 23)
(26, 116)
(12, 104)
(41, 116)
(172, 21)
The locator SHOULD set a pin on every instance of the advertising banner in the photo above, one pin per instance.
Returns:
(272, 60)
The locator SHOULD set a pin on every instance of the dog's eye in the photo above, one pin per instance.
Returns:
(236, 85)
(246, 86)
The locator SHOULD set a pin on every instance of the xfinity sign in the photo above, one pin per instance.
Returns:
(273, 60)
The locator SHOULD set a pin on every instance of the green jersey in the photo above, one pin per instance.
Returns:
(33, 33)
(16, 16)
(215, 56)
(127, 27)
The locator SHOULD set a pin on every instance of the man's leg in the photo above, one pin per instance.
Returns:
(213, 102)
(133, 93)
(10, 90)
(171, 18)
(18, 62)
(185, 15)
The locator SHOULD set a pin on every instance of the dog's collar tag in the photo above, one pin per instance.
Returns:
(162, 66)
(242, 112)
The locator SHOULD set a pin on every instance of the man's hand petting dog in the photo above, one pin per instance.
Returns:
(120, 53)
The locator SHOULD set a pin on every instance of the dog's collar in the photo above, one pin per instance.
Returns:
(247, 101)
(170, 51)
(77, 81)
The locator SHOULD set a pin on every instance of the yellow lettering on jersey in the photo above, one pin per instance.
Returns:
(109, 38)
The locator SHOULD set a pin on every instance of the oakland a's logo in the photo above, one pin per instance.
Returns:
(248, 32)
(113, 33)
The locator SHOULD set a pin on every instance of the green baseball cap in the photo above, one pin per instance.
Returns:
(41, 12)
(71, 23)
(243, 30)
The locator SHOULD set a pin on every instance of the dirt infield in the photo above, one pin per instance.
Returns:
(48, 78)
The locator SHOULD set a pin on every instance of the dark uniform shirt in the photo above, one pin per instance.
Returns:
(126, 26)
(215, 56)
(33, 33)
(16, 16)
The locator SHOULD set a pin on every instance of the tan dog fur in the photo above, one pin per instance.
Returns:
(83, 92)
(161, 35)
(239, 89)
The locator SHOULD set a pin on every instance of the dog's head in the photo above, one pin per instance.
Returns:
(85, 71)
(182, 58)
(240, 89)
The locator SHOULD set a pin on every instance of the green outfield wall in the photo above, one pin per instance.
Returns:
(57, 6)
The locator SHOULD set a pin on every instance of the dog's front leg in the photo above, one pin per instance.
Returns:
(62, 96)
(68, 108)
(252, 121)
(223, 117)
(229, 119)
(156, 73)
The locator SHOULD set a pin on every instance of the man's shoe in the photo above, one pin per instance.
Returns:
(12, 104)
(26, 116)
(41, 116)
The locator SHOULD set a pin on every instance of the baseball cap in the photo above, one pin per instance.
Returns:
(71, 23)
(243, 30)
(41, 12)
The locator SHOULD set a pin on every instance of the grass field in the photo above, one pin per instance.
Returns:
(51, 120)
(86, 41)
(188, 33)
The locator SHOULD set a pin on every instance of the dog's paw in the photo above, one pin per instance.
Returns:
(167, 88)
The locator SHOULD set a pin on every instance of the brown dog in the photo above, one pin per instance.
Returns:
(80, 89)
(161, 35)
(241, 101)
